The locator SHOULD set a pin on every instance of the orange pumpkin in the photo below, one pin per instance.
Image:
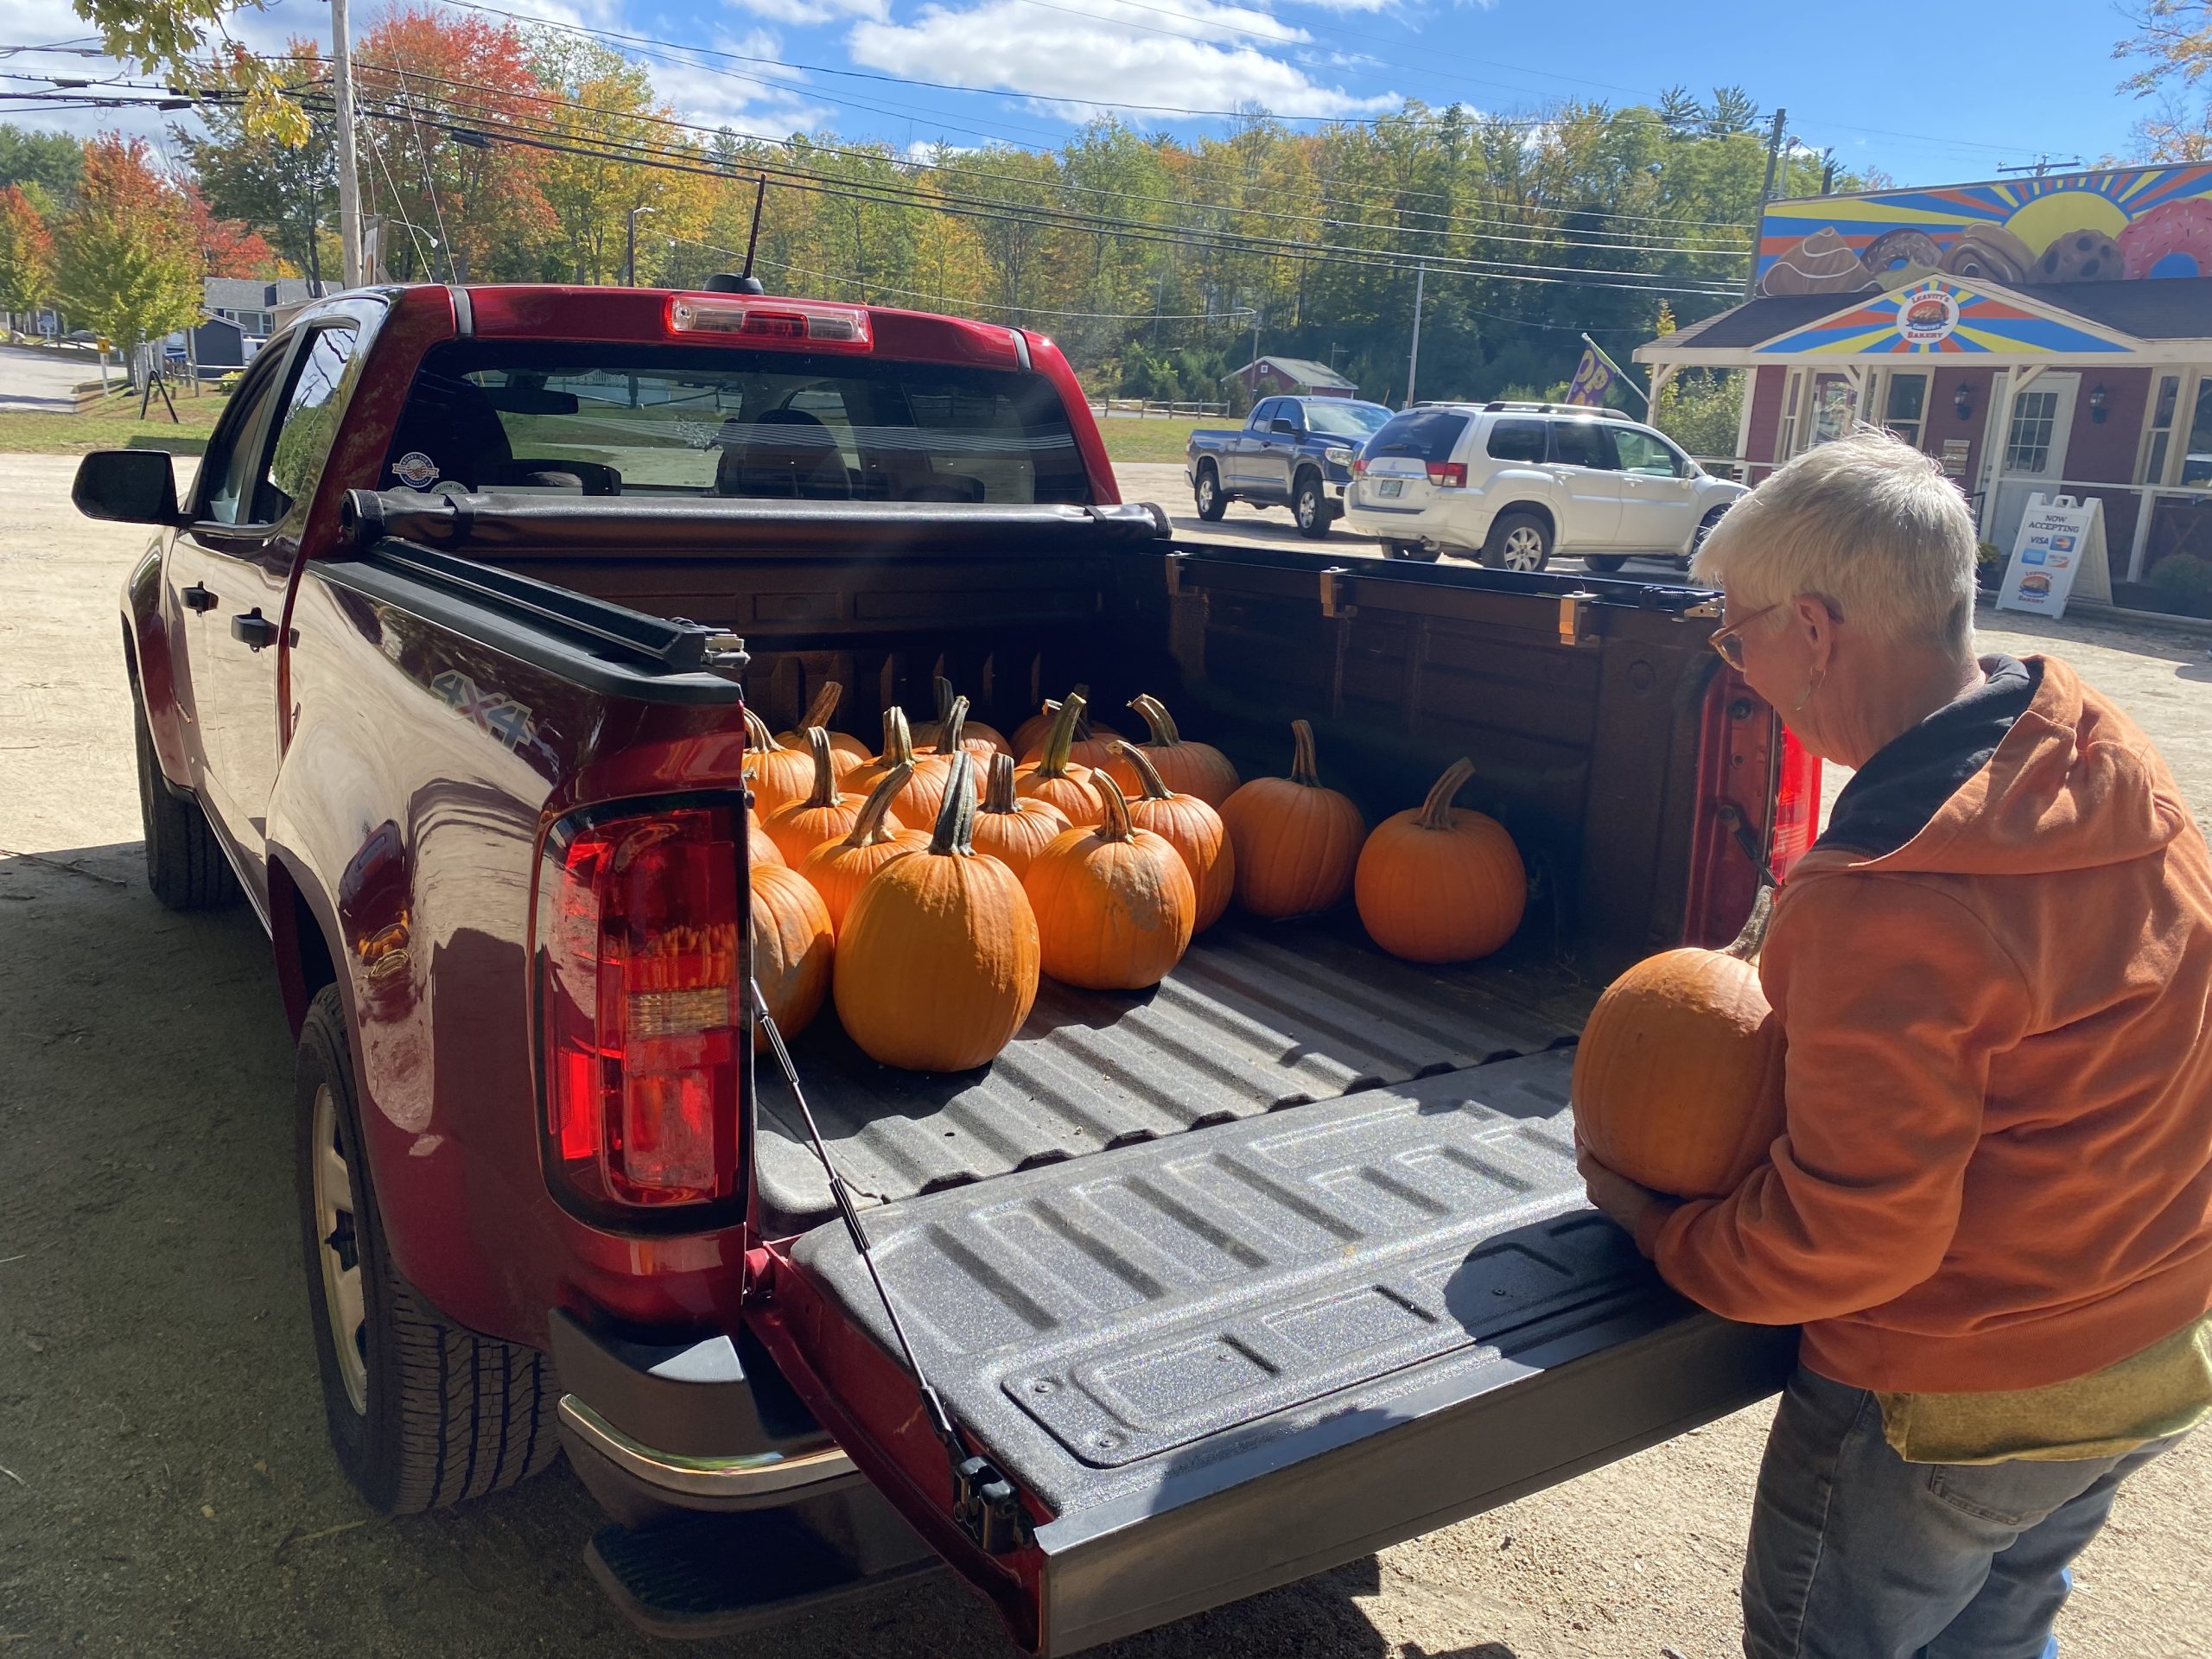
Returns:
(826, 814)
(850, 751)
(915, 805)
(792, 941)
(758, 849)
(1437, 885)
(1678, 1079)
(779, 775)
(1197, 769)
(926, 793)
(1297, 841)
(1054, 777)
(1089, 746)
(1115, 904)
(1011, 829)
(1191, 827)
(936, 967)
(981, 741)
(1029, 736)
(839, 869)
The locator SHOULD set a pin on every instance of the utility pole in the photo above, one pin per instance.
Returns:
(1413, 359)
(1766, 194)
(349, 185)
(630, 246)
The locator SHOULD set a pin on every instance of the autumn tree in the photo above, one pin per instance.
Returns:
(26, 253)
(2173, 43)
(281, 190)
(126, 262)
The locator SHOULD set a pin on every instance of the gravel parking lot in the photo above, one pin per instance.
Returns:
(164, 1486)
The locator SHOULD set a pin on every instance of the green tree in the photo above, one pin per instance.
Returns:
(49, 162)
(170, 38)
(26, 253)
(281, 190)
(126, 264)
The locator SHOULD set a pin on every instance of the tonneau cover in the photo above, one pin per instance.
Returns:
(1245, 1353)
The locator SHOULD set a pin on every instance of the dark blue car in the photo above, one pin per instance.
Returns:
(1295, 452)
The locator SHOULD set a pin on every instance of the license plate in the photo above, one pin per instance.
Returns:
(1389, 487)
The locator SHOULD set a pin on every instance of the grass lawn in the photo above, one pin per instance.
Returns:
(1160, 439)
(113, 423)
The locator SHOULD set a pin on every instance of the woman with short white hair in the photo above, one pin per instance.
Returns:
(1990, 1209)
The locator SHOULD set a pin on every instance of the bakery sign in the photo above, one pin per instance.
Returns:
(1943, 317)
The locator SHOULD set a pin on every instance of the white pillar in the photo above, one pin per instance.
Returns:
(349, 187)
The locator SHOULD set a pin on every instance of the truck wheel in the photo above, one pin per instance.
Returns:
(1518, 541)
(1704, 529)
(421, 1413)
(1212, 502)
(1604, 563)
(185, 865)
(1309, 504)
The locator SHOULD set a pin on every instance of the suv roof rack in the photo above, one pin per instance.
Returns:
(1598, 411)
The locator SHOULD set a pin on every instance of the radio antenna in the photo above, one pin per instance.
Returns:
(753, 239)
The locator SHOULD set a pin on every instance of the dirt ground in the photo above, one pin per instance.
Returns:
(164, 1486)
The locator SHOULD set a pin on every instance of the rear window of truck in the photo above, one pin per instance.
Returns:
(654, 420)
(1419, 434)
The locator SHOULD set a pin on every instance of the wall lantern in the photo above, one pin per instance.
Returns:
(2097, 405)
(1963, 400)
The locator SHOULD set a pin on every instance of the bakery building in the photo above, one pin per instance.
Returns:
(2049, 335)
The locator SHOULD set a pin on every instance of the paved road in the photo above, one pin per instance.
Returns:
(43, 381)
(167, 1489)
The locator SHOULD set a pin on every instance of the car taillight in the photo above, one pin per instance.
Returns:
(1796, 805)
(1359, 465)
(1448, 474)
(800, 322)
(640, 1007)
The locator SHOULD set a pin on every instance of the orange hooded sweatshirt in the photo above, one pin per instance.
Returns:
(1995, 975)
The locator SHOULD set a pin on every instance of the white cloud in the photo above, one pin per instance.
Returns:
(1112, 51)
(814, 11)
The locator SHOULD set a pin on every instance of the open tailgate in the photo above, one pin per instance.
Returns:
(1221, 1362)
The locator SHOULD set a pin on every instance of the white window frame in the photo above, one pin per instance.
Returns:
(2180, 378)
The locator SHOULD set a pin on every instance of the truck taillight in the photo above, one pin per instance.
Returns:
(640, 1007)
(1796, 805)
(799, 322)
(1448, 474)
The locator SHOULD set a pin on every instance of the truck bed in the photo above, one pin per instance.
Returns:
(1257, 1018)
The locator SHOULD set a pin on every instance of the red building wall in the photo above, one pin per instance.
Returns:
(1944, 423)
(1767, 387)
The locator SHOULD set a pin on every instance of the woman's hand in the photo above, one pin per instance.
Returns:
(1640, 1210)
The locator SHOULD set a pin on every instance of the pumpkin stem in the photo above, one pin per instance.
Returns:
(1747, 944)
(1082, 715)
(824, 705)
(998, 793)
(1156, 717)
(1053, 762)
(1147, 774)
(1304, 768)
(1436, 811)
(949, 728)
(867, 830)
(944, 700)
(1116, 826)
(825, 772)
(757, 734)
(955, 818)
(898, 738)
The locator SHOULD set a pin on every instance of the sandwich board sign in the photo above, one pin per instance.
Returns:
(2062, 540)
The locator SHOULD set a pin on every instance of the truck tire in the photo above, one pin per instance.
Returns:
(1309, 505)
(1604, 563)
(421, 1413)
(1518, 541)
(185, 865)
(1704, 529)
(1207, 492)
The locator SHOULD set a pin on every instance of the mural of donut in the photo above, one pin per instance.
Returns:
(1901, 251)
(2166, 239)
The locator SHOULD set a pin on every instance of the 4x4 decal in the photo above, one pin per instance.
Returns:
(494, 711)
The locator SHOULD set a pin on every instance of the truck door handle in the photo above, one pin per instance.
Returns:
(197, 598)
(256, 630)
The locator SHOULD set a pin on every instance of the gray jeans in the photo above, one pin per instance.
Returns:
(1856, 1553)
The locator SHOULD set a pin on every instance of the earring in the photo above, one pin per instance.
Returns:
(1811, 686)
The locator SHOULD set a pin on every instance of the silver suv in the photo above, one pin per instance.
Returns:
(1518, 482)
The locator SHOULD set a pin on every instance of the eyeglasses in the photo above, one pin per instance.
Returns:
(1727, 643)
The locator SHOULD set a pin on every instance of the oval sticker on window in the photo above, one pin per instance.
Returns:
(414, 469)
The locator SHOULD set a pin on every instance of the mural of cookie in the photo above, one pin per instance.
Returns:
(2176, 231)
(1822, 263)
(2079, 257)
(1901, 251)
(1995, 255)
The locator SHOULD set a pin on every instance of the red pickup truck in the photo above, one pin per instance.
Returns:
(442, 665)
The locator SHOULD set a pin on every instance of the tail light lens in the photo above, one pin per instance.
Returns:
(1796, 805)
(762, 322)
(641, 1011)
(1448, 474)
(1359, 465)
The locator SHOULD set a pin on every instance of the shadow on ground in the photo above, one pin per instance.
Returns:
(167, 1488)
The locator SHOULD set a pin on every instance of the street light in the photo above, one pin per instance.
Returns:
(630, 246)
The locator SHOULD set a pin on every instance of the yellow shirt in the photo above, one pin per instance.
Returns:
(2160, 1391)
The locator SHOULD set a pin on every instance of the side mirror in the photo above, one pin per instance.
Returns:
(1287, 428)
(133, 487)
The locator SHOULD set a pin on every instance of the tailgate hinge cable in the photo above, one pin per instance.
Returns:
(984, 1501)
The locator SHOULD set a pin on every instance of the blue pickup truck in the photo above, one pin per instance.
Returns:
(1293, 451)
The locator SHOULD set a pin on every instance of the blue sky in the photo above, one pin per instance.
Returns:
(1927, 95)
